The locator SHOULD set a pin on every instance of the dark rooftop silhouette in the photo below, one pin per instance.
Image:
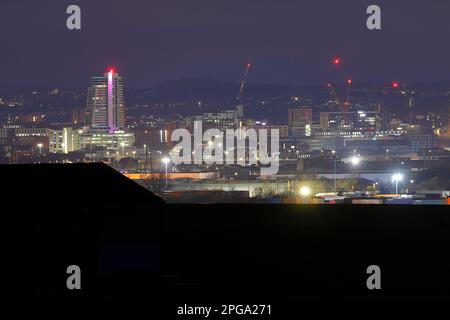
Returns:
(86, 184)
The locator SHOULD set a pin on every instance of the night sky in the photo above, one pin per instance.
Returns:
(288, 41)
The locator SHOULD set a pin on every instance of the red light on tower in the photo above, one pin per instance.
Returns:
(349, 81)
(337, 61)
(249, 65)
(111, 70)
(395, 85)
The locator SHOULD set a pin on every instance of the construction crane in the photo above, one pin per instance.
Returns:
(346, 105)
(240, 104)
(333, 93)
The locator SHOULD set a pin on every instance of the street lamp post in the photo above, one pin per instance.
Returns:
(166, 161)
(355, 162)
(305, 192)
(40, 145)
(122, 144)
(396, 178)
(334, 161)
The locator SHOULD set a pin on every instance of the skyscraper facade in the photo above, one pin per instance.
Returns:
(299, 117)
(105, 102)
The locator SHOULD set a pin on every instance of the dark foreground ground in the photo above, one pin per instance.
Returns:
(130, 245)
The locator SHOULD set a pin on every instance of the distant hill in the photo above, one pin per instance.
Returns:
(191, 96)
(186, 89)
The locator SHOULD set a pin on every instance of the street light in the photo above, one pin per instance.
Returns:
(355, 160)
(305, 191)
(40, 145)
(166, 161)
(334, 160)
(122, 144)
(146, 157)
(396, 178)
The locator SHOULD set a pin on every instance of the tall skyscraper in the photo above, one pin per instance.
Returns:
(105, 103)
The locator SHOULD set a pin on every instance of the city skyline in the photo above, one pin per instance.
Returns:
(340, 99)
(275, 153)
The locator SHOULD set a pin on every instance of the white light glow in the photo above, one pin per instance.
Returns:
(305, 191)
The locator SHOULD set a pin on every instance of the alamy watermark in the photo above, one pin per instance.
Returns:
(374, 20)
(73, 21)
(234, 146)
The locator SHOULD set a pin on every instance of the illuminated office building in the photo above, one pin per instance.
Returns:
(105, 102)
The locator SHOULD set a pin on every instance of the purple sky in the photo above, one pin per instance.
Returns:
(288, 41)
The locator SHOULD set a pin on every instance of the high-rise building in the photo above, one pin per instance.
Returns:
(300, 117)
(105, 102)
(361, 120)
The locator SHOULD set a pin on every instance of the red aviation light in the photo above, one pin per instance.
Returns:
(337, 61)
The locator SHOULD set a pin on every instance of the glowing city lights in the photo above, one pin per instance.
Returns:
(355, 160)
(305, 191)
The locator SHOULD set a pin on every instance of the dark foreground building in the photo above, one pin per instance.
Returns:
(129, 244)
(89, 215)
